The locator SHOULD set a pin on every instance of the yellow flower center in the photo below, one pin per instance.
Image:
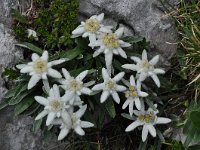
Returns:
(110, 85)
(92, 25)
(146, 65)
(132, 92)
(110, 40)
(40, 66)
(147, 118)
(56, 105)
(74, 85)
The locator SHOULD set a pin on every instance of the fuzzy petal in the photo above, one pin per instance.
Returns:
(63, 133)
(34, 57)
(79, 30)
(126, 103)
(162, 120)
(142, 76)
(152, 130)
(79, 131)
(41, 115)
(82, 75)
(56, 91)
(100, 17)
(132, 80)
(51, 116)
(81, 111)
(119, 32)
(105, 74)
(158, 71)
(154, 60)
(86, 124)
(26, 69)
(57, 62)
(33, 81)
(122, 52)
(120, 88)
(92, 38)
(137, 103)
(136, 59)
(116, 97)
(131, 67)
(45, 56)
(144, 133)
(98, 87)
(144, 55)
(43, 101)
(86, 91)
(132, 126)
(104, 96)
(143, 94)
(66, 118)
(119, 76)
(54, 73)
(66, 74)
(156, 80)
(108, 60)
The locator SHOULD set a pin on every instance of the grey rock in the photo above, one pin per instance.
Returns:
(143, 17)
(15, 132)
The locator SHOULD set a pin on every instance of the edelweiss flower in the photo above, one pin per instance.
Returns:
(91, 28)
(39, 68)
(73, 123)
(145, 68)
(109, 86)
(54, 105)
(147, 119)
(110, 44)
(74, 87)
(133, 95)
(32, 33)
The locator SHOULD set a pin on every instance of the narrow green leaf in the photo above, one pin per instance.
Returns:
(30, 47)
(16, 100)
(23, 105)
(18, 16)
(110, 107)
(36, 125)
(3, 104)
(195, 118)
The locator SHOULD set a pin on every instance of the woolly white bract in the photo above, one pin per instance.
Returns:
(74, 87)
(109, 44)
(110, 86)
(73, 123)
(145, 68)
(148, 119)
(92, 28)
(54, 105)
(133, 95)
(39, 68)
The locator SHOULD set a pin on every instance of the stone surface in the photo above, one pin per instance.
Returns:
(143, 17)
(15, 132)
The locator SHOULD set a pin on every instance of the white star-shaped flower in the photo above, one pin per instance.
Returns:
(39, 68)
(145, 68)
(32, 33)
(133, 95)
(74, 87)
(110, 86)
(92, 28)
(54, 105)
(109, 44)
(147, 119)
(73, 123)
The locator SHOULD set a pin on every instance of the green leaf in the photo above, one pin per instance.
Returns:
(36, 125)
(3, 104)
(195, 118)
(16, 100)
(31, 47)
(110, 107)
(23, 105)
(68, 55)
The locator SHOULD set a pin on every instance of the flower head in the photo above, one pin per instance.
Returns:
(110, 86)
(109, 44)
(54, 105)
(39, 68)
(147, 119)
(92, 28)
(74, 87)
(73, 122)
(145, 68)
(133, 95)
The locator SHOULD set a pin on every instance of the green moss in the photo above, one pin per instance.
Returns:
(55, 22)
